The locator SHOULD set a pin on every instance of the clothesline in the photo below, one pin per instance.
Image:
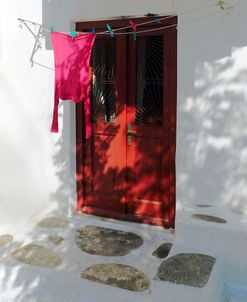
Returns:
(75, 86)
(38, 34)
(156, 20)
(130, 33)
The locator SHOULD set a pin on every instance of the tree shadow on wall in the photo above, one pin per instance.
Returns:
(212, 112)
(213, 137)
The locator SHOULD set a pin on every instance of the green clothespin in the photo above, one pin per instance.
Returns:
(73, 34)
(134, 35)
(110, 30)
(108, 27)
(52, 29)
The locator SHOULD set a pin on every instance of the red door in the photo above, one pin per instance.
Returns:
(127, 169)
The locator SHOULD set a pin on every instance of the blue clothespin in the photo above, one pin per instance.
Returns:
(73, 34)
(93, 31)
(110, 30)
(157, 21)
(52, 28)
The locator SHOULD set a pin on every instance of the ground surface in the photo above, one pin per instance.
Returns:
(86, 258)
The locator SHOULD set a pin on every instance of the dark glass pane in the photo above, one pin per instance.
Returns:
(103, 84)
(149, 93)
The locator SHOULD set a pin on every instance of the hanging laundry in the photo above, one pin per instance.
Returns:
(72, 82)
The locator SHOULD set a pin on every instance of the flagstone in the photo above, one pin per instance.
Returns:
(187, 269)
(37, 255)
(163, 250)
(53, 222)
(209, 218)
(117, 275)
(107, 242)
(57, 240)
(203, 205)
(5, 239)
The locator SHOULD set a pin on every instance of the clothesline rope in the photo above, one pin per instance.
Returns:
(140, 24)
(37, 34)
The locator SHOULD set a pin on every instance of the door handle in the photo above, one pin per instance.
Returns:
(130, 134)
(130, 131)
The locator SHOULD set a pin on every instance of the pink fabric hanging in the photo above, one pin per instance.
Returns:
(72, 59)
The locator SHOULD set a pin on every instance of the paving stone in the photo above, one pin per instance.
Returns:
(203, 205)
(57, 240)
(107, 242)
(209, 218)
(5, 239)
(187, 269)
(53, 222)
(37, 255)
(163, 250)
(118, 275)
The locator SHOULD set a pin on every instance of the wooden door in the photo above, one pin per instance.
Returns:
(127, 169)
(150, 126)
(104, 154)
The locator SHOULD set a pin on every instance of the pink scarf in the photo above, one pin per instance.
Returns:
(72, 59)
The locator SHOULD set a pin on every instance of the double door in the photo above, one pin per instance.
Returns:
(126, 170)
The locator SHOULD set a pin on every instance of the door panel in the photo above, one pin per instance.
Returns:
(148, 115)
(147, 168)
(105, 152)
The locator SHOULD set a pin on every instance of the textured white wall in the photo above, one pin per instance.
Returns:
(212, 110)
(37, 168)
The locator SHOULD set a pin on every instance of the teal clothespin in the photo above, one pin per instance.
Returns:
(134, 35)
(93, 31)
(110, 30)
(52, 29)
(73, 34)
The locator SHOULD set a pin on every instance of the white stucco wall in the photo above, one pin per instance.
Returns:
(37, 168)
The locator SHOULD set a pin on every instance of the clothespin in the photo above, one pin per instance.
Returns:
(110, 30)
(93, 31)
(157, 21)
(133, 25)
(52, 29)
(73, 34)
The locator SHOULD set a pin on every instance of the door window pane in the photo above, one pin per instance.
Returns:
(103, 84)
(149, 89)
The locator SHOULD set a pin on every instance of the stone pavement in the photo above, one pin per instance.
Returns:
(93, 252)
